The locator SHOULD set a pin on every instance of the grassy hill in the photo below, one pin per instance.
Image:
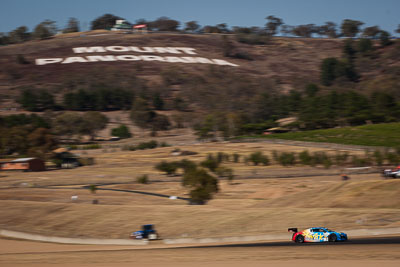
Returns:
(386, 134)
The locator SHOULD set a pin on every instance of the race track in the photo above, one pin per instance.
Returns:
(377, 251)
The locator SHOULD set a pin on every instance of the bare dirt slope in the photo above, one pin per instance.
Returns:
(257, 202)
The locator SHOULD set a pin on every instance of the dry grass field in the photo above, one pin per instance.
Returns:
(259, 201)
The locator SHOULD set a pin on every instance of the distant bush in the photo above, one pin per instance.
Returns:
(287, 159)
(122, 131)
(210, 163)
(305, 157)
(89, 146)
(186, 165)
(147, 145)
(224, 172)
(143, 179)
(168, 167)
(258, 158)
(236, 157)
(252, 39)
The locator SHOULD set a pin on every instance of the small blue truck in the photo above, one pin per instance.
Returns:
(147, 232)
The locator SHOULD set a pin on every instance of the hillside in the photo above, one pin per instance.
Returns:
(243, 88)
(285, 63)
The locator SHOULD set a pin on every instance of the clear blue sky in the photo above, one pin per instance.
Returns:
(384, 13)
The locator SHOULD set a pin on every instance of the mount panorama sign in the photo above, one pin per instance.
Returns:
(179, 55)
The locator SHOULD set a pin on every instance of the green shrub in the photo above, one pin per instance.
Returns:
(202, 184)
(341, 158)
(90, 146)
(143, 179)
(236, 157)
(258, 158)
(305, 158)
(147, 145)
(287, 159)
(122, 132)
(210, 163)
(224, 171)
(168, 167)
(186, 165)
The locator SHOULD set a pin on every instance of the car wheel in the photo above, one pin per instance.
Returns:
(299, 239)
(152, 236)
(332, 238)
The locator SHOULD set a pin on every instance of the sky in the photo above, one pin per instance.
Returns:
(384, 13)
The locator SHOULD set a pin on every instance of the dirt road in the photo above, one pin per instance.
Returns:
(383, 251)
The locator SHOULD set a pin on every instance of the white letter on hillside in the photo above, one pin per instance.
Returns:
(143, 50)
(187, 50)
(152, 58)
(203, 60)
(175, 60)
(165, 50)
(44, 61)
(73, 60)
(128, 58)
(224, 62)
(97, 49)
(101, 58)
(117, 48)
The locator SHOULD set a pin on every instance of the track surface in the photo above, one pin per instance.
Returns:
(379, 251)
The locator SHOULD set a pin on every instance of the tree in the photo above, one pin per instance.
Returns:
(165, 24)
(371, 32)
(272, 25)
(19, 35)
(94, 121)
(222, 27)
(141, 114)
(365, 45)
(202, 185)
(350, 28)
(41, 142)
(192, 26)
(398, 28)
(304, 30)
(384, 38)
(328, 70)
(158, 102)
(72, 26)
(122, 132)
(286, 29)
(107, 21)
(68, 124)
(329, 29)
(349, 51)
(4, 39)
(45, 30)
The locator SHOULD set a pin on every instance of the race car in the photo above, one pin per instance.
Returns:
(392, 173)
(317, 234)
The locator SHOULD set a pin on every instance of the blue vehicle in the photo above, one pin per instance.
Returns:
(317, 234)
(147, 232)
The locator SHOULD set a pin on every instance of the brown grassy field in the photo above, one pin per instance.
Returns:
(257, 202)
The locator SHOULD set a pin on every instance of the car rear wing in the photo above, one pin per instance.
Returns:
(294, 230)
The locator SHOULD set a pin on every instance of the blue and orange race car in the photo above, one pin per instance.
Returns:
(317, 234)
